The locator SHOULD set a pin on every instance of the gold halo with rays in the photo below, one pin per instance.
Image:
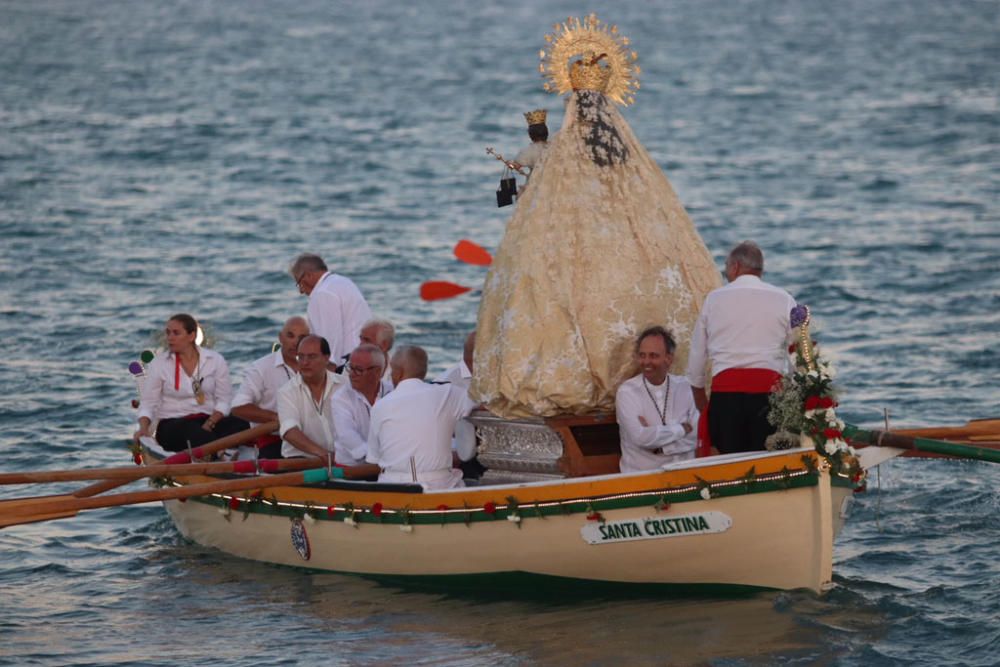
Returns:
(576, 38)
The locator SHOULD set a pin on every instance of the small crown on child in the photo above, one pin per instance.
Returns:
(536, 117)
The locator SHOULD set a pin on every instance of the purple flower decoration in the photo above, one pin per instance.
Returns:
(799, 315)
(135, 368)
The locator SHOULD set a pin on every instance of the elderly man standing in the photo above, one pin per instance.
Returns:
(257, 399)
(304, 408)
(744, 329)
(352, 405)
(382, 335)
(656, 412)
(410, 433)
(336, 309)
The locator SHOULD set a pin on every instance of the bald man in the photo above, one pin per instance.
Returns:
(257, 399)
(409, 437)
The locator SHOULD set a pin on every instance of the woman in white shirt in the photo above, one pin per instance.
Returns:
(187, 392)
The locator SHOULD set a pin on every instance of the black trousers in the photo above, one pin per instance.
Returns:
(737, 422)
(174, 434)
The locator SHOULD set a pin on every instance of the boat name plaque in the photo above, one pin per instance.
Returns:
(656, 527)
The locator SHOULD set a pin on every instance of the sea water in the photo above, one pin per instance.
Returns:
(175, 155)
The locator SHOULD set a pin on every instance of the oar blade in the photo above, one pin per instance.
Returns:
(434, 290)
(473, 253)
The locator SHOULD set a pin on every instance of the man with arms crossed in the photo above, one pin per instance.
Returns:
(655, 410)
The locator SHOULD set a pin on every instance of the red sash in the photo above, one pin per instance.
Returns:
(265, 440)
(742, 380)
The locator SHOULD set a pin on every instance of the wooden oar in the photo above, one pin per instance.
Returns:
(128, 473)
(878, 438)
(202, 452)
(433, 290)
(109, 484)
(58, 507)
(473, 253)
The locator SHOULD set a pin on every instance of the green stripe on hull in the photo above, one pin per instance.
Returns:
(525, 509)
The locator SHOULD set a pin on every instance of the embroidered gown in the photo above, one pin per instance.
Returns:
(599, 248)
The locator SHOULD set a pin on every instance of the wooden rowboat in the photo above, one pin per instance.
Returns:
(762, 520)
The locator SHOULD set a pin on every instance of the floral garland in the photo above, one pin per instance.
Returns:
(803, 407)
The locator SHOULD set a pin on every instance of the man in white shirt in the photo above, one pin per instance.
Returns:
(410, 433)
(336, 308)
(464, 442)
(257, 399)
(744, 329)
(655, 410)
(352, 405)
(382, 335)
(304, 408)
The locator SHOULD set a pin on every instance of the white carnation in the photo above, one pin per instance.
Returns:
(706, 493)
(830, 447)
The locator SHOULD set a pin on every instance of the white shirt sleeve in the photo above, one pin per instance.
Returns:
(325, 318)
(152, 391)
(698, 353)
(288, 414)
(223, 385)
(374, 451)
(251, 391)
(348, 436)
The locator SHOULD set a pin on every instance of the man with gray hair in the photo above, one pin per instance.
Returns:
(410, 432)
(744, 329)
(381, 334)
(336, 310)
(352, 405)
(257, 399)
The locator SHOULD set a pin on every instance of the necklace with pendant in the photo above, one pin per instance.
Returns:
(662, 413)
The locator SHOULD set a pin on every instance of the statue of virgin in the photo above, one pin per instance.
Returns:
(599, 248)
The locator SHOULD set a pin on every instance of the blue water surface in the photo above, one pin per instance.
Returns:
(175, 155)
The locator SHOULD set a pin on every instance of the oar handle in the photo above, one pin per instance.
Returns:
(879, 438)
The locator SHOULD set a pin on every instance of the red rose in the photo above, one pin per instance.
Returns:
(594, 516)
(812, 402)
(442, 508)
(137, 459)
(331, 510)
(831, 433)
(234, 503)
(490, 507)
(826, 402)
(377, 509)
(791, 348)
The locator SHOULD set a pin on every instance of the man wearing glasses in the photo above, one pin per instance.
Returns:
(304, 408)
(353, 404)
(336, 310)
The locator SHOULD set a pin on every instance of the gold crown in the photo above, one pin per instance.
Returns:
(587, 54)
(536, 117)
(588, 74)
